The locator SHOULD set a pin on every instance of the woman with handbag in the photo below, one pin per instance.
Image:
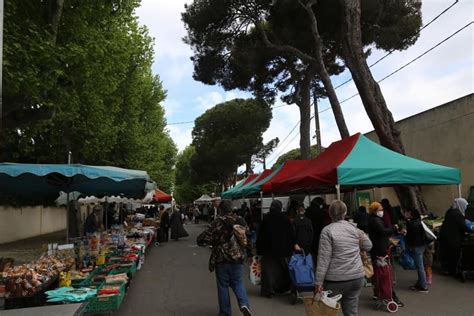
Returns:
(339, 267)
(415, 240)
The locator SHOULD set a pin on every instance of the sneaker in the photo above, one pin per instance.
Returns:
(423, 290)
(245, 310)
(419, 289)
(375, 297)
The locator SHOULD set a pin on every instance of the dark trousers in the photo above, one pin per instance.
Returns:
(165, 233)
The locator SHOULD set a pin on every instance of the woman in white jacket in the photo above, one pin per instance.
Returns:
(339, 266)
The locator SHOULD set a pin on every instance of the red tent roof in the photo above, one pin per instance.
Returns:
(288, 169)
(161, 196)
(320, 171)
(250, 178)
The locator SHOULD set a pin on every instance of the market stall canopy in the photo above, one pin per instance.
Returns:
(240, 192)
(203, 199)
(358, 161)
(161, 196)
(228, 194)
(287, 169)
(45, 181)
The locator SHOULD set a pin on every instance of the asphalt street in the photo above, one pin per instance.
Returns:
(175, 281)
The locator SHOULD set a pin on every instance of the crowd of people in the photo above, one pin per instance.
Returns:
(333, 239)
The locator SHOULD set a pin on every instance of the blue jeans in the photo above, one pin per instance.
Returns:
(230, 275)
(418, 257)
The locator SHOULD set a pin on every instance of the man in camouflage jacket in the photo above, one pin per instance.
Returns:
(227, 258)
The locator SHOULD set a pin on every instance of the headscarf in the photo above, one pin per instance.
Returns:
(276, 206)
(374, 207)
(461, 205)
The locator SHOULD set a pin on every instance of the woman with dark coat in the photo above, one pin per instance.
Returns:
(452, 234)
(275, 243)
(177, 229)
(379, 235)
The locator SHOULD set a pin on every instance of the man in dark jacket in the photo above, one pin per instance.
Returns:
(225, 260)
(92, 223)
(303, 232)
(164, 224)
(361, 218)
(318, 213)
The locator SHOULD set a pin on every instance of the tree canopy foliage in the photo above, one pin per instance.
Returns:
(226, 136)
(187, 189)
(85, 86)
(285, 46)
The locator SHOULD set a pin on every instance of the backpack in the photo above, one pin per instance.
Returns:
(233, 248)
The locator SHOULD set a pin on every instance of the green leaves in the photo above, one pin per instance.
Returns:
(90, 90)
(226, 136)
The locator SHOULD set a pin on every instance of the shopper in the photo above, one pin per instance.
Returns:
(361, 218)
(452, 234)
(339, 267)
(415, 241)
(164, 224)
(226, 260)
(318, 213)
(303, 232)
(380, 237)
(275, 243)
(176, 224)
(92, 223)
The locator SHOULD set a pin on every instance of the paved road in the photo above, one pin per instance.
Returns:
(174, 281)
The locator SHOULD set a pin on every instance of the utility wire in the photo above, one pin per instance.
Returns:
(401, 67)
(392, 50)
(411, 61)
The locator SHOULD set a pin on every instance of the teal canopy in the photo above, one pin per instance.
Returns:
(239, 192)
(43, 182)
(372, 164)
(228, 194)
(356, 161)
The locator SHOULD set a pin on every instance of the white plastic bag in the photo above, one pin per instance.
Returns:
(255, 270)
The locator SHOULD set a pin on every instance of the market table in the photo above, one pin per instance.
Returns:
(52, 310)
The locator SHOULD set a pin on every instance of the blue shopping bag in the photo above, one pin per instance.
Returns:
(301, 270)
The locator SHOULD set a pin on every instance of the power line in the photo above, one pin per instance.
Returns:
(395, 71)
(178, 123)
(410, 62)
(392, 50)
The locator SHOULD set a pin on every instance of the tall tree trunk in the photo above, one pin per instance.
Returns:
(323, 73)
(370, 93)
(54, 16)
(303, 100)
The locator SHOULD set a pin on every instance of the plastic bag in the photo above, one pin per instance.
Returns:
(255, 270)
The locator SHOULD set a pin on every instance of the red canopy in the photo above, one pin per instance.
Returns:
(161, 196)
(320, 171)
(288, 169)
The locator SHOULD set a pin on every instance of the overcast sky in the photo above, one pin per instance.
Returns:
(442, 75)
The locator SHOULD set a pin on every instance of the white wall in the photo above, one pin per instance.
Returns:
(26, 222)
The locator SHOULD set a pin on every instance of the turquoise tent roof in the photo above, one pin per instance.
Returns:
(43, 182)
(372, 164)
(239, 192)
(228, 194)
(255, 188)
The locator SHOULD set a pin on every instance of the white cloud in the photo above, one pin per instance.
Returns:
(171, 106)
(181, 135)
(210, 99)
(163, 19)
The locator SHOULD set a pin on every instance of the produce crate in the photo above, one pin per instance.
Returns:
(129, 269)
(106, 303)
